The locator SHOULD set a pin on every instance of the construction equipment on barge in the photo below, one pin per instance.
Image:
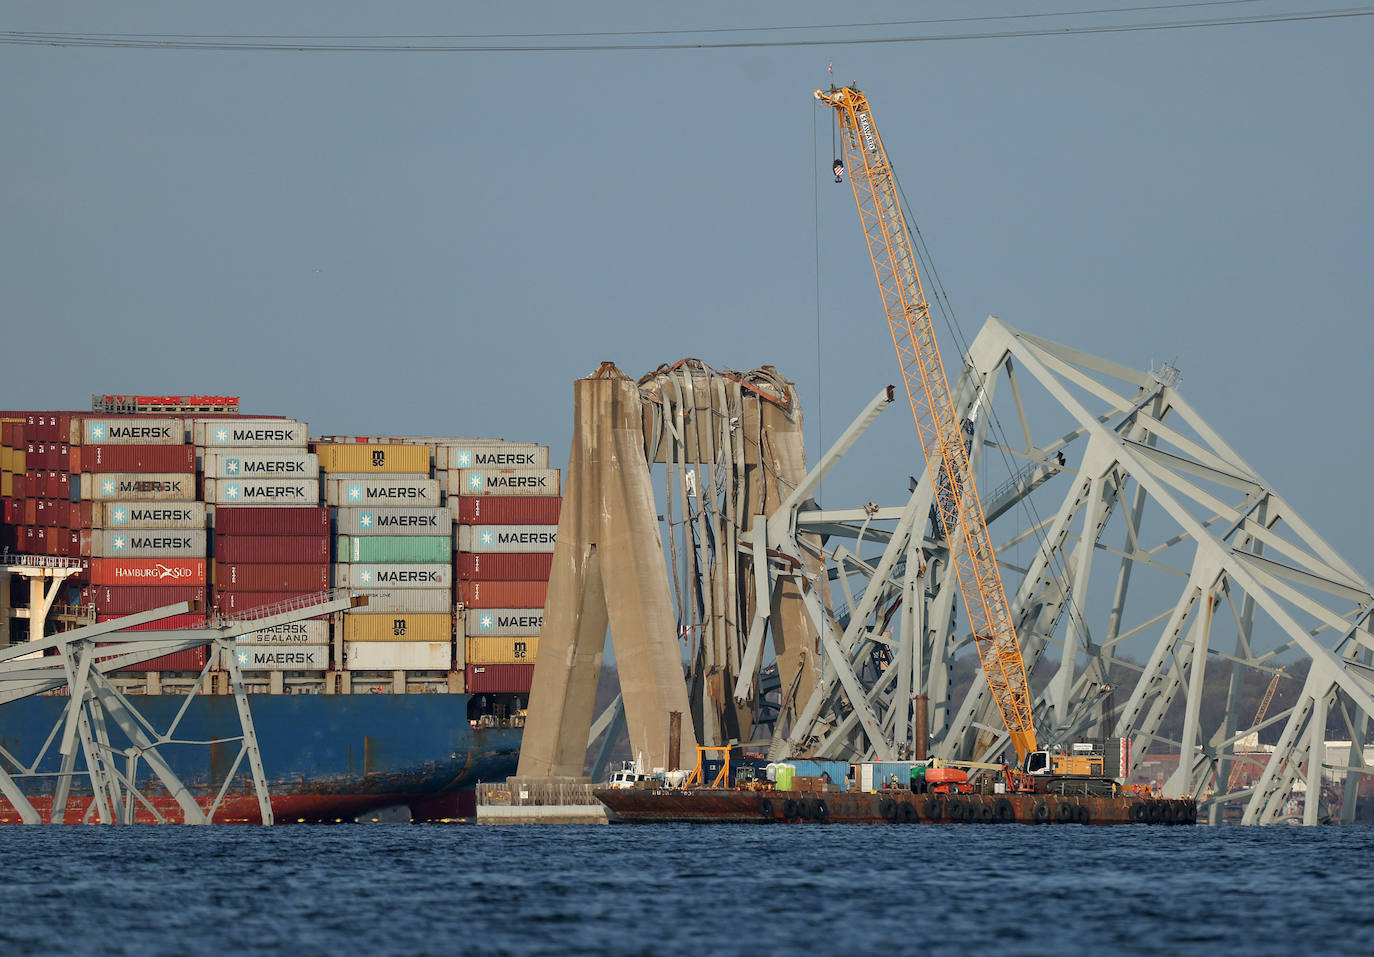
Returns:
(719, 792)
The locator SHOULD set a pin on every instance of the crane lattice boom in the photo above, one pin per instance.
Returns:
(932, 405)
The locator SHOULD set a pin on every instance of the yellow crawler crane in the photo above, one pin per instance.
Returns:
(932, 406)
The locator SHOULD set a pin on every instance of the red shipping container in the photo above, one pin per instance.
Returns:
(514, 567)
(193, 620)
(21, 484)
(508, 510)
(499, 679)
(136, 458)
(236, 603)
(191, 660)
(12, 434)
(14, 512)
(127, 599)
(265, 549)
(488, 594)
(247, 520)
(63, 457)
(58, 485)
(257, 578)
(80, 514)
(37, 484)
(148, 571)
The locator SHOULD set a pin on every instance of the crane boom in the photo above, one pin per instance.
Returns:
(932, 406)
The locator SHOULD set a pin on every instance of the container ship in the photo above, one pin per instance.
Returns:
(405, 702)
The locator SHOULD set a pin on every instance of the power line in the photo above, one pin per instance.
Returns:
(646, 33)
(371, 44)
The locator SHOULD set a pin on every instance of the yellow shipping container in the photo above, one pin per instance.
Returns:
(6, 484)
(398, 626)
(492, 650)
(18, 461)
(359, 459)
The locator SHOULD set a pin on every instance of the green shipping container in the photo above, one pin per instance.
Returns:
(427, 549)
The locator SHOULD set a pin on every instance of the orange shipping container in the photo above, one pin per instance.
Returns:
(501, 594)
(148, 571)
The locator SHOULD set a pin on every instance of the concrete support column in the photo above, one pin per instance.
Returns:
(608, 569)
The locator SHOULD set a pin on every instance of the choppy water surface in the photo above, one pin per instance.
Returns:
(672, 888)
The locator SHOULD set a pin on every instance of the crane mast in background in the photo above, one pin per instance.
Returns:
(932, 406)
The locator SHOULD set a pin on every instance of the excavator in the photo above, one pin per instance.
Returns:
(942, 434)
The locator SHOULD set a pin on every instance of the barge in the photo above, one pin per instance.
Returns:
(666, 805)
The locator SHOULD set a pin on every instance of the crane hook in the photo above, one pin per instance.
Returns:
(838, 170)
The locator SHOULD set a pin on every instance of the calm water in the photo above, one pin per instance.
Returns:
(698, 890)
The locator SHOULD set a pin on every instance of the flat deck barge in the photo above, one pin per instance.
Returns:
(662, 805)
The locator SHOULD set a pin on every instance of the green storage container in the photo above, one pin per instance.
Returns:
(421, 549)
(784, 777)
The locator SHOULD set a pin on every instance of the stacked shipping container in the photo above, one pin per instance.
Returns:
(271, 536)
(504, 500)
(239, 513)
(133, 513)
(393, 543)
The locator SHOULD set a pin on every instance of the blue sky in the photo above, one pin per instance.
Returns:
(440, 242)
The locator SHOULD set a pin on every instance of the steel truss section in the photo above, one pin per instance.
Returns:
(1153, 554)
(70, 664)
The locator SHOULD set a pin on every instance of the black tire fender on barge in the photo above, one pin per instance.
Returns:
(1003, 810)
(1140, 814)
(930, 810)
(1064, 813)
(819, 811)
(906, 813)
(789, 809)
(1041, 813)
(887, 808)
(766, 809)
(986, 815)
(1081, 814)
(955, 809)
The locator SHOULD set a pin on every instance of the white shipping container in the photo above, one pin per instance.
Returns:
(291, 633)
(505, 538)
(148, 515)
(398, 655)
(97, 430)
(385, 577)
(508, 622)
(249, 433)
(148, 543)
(394, 521)
(412, 491)
(503, 482)
(292, 657)
(491, 455)
(262, 491)
(420, 600)
(260, 463)
(138, 487)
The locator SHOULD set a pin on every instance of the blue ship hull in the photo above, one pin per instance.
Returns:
(326, 757)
